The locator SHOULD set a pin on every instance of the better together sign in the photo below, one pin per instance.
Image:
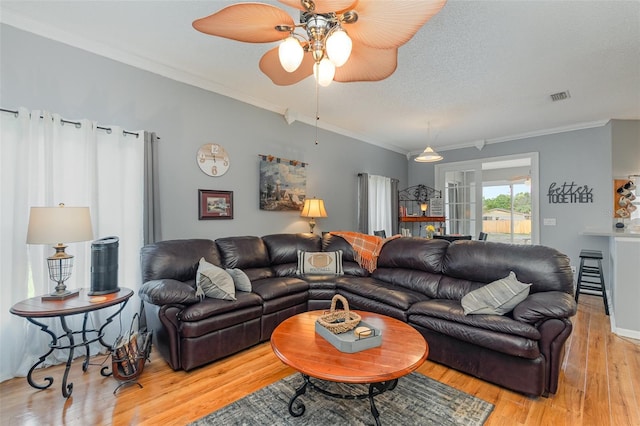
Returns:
(569, 193)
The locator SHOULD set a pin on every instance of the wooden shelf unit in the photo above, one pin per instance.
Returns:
(410, 200)
(435, 219)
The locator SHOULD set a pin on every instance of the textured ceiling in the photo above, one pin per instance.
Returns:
(478, 72)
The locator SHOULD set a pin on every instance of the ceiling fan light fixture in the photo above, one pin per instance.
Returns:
(377, 28)
(324, 71)
(339, 47)
(290, 53)
(428, 156)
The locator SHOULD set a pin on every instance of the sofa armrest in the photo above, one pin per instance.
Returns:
(167, 291)
(545, 305)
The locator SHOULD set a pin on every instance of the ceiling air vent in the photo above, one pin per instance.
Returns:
(560, 96)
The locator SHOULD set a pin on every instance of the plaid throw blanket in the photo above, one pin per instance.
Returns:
(367, 247)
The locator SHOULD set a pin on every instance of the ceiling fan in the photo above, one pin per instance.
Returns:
(341, 40)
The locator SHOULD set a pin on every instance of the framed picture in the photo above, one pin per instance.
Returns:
(215, 204)
(283, 184)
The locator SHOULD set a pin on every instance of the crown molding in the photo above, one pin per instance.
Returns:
(511, 138)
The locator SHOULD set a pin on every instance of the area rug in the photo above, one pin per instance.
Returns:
(417, 400)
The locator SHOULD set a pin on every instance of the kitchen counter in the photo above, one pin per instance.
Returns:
(624, 289)
(611, 232)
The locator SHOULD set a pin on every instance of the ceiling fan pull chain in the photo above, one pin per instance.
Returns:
(317, 108)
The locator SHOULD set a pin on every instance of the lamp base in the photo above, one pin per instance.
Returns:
(60, 296)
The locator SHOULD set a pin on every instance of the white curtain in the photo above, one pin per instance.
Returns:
(380, 204)
(45, 161)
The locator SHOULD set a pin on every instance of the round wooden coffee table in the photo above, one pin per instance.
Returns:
(297, 344)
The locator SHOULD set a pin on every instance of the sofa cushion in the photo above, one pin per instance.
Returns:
(546, 268)
(272, 288)
(283, 248)
(168, 292)
(322, 263)
(379, 291)
(456, 288)
(214, 282)
(451, 310)
(414, 253)
(176, 259)
(213, 307)
(283, 251)
(327, 281)
(412, 279)
(240, 280)
(496, 341)
(243, 252)
(496, 298)
(542, 306)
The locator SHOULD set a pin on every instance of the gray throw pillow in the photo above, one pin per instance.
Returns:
(496, 298)
(240, 279)
(214, 282)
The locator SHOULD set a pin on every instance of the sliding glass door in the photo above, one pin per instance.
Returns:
(497, 196)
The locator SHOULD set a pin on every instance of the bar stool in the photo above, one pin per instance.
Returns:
(594, 282)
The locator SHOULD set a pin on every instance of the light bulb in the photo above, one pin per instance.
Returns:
(324, 71)
(290, 53)
(339, 47)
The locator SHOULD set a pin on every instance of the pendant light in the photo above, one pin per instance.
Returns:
(428, 155)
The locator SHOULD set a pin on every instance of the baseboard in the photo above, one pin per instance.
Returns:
(622, 332)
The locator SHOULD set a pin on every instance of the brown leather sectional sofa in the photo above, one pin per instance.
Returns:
(417, 280)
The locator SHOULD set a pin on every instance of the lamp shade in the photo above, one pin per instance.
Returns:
(324, 71)
(53, 225)
(339, 47)
(428, 156)
(313, 207)
(290, 54)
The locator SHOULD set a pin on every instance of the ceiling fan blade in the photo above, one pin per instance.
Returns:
(248, 22)
(368, 64)
(388, 24)
(270, 66)
(323, 6)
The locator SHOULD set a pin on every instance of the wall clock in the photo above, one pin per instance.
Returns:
(213, 159)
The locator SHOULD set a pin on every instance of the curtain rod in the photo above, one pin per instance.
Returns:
(394, 179)
(76, 123)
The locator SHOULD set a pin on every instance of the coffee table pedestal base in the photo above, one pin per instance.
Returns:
(297, 408)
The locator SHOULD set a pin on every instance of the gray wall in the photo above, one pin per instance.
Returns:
(581, 156)
(39, 73)
(626, 148)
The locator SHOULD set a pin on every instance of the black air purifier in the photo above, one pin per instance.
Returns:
(104, 266)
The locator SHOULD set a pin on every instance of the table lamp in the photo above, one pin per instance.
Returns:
(51, 225)
(423, 207)
(313, 208)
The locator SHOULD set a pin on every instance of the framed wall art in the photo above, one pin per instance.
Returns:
(283, 183)
(215, 204)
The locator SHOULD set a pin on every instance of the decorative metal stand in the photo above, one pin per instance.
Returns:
(134, 361)
(297, 408)
(67, 389)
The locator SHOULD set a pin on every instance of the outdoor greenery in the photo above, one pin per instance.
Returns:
(521, 202)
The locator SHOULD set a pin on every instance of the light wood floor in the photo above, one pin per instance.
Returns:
(599, 385)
